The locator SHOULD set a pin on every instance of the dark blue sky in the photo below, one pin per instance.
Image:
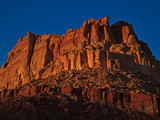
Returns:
(56, 16)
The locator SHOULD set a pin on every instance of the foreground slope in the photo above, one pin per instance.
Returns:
(91, 94)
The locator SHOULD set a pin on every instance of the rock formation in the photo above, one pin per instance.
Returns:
(94, 44)
(91, 97)
(97, 71)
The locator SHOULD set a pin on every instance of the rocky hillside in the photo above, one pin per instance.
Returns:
(91, 94)
(97, 72)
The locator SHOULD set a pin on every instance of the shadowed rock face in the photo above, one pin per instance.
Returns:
(46, 103)
(94, 44)
(88, 94)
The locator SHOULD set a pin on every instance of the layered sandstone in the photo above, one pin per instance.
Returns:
(95, 44)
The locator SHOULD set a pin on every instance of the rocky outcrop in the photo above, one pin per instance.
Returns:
(39, 101)
(94, 44)
(84, 94)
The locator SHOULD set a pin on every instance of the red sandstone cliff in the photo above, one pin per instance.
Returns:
(94, 72)
(94, 44)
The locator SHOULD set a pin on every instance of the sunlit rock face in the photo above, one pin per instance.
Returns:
(94, 44)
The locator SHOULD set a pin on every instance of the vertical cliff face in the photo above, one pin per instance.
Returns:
(94, 44)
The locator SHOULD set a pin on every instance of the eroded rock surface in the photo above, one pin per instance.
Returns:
(95, 72)
(43, 101)
(89, 94)
(94, 44)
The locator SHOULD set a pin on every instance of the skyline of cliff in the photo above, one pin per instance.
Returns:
(55, 16)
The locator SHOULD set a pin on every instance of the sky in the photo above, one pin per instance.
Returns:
(57, 16)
